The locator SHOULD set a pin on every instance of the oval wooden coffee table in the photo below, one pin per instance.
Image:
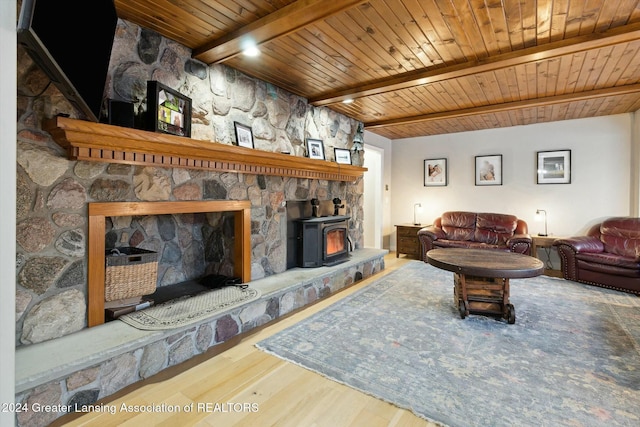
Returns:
(481, 278)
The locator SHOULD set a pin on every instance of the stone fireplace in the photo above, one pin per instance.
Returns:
(115, 165)
(69, 170)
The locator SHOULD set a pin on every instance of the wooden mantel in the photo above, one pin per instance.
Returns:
(99, 142)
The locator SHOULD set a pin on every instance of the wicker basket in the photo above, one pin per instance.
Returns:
(130, 272)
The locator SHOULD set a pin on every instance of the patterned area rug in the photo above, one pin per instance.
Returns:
(189, 310)
(571, 359)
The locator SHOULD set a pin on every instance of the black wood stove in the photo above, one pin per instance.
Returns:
(322, 241)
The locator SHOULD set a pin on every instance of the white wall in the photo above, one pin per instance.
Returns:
(7, 207)
(600, 174)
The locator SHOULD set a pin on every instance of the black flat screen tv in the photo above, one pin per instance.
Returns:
(71, 41)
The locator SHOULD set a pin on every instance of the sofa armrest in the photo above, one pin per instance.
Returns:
(427, 236)
(581, 244)
(520, 243)
(432, 232)
(569, 247)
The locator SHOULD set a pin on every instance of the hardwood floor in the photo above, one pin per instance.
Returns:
(243, 386)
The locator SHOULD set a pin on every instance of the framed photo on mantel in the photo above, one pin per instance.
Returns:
(168, 111)
(342, 156)
(315, 149)
(244, 135)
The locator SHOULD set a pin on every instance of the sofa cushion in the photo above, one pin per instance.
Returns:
(621, 236)
(494, 229)
(459, 225)
(604, 258)
(444, 243)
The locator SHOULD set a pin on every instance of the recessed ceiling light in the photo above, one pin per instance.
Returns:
(251, 51)
(348, 101)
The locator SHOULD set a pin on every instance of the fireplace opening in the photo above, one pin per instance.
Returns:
(159, 258)
(100, 213)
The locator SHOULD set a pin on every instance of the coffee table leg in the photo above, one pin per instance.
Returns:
(489, 296)
(461, 295)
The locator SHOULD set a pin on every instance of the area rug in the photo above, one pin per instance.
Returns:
(185, 311)
(571, 359)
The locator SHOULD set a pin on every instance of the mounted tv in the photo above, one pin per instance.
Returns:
(71, 42)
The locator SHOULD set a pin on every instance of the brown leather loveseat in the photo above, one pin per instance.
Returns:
(457, 229)
(608, 256)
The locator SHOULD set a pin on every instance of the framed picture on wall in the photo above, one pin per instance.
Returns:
(315, 149)
(489, 170)
(554, 167)
(435, 172)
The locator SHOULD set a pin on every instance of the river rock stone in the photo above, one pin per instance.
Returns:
(38, 274)
(153, 359)
(34, 234)
(118, 373)
(43, 167)
(55, 317)
(151, 185)
(71, 243)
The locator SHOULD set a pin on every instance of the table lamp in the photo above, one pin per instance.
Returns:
(416, 206)
(538, 214)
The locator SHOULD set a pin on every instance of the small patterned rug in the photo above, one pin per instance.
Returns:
(188, 310)
(571, 359)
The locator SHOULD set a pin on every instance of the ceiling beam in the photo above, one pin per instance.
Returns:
(570, 46)
(507, 106)
(290, 18)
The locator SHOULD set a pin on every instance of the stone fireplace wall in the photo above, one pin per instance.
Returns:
(53, 192)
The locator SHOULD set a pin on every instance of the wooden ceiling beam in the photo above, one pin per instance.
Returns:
(624, 34)
(290, 18)
(507, 106)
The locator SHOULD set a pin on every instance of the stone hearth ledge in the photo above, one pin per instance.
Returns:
(57, 359)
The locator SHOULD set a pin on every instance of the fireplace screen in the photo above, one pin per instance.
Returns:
(336, 239)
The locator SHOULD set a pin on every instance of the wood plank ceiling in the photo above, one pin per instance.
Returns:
(422, 67)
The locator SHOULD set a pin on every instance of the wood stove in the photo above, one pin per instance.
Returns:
(322, 241)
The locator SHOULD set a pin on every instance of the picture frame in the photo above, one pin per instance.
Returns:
(315, 149)
(244, 135)
(168, 111)
(554, 167)
(489, 170)
(435, 172)
(342, 156)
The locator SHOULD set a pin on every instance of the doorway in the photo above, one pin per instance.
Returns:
(373, 161)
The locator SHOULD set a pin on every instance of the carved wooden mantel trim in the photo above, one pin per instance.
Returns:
(98, 212)
(99, 142)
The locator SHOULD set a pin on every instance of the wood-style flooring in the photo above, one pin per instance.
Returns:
(243, 386)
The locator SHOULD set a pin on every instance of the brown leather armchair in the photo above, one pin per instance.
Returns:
(494, 231)
(608, 256)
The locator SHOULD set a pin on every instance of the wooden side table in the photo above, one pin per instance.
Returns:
(545, 242)
(407, 240)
